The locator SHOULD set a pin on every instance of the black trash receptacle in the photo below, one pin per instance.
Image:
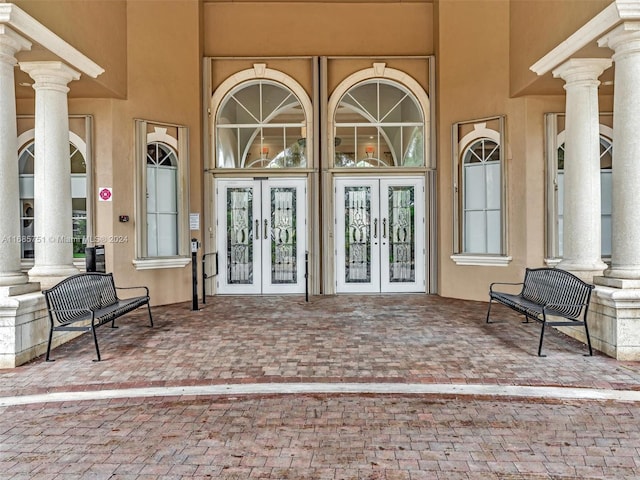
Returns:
(95, 261)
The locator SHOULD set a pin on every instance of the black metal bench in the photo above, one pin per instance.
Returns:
(89, 299)
(548, 292)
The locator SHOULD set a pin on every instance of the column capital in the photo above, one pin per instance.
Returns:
(50, 75)
(582, 70)
(10, 43)
(624, 40)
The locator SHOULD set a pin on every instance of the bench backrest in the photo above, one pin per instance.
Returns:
(83, 291)
(553, 286)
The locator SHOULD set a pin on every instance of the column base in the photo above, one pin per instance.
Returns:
(15, 290)
(10, 279)
(625, 273)
(49, 275)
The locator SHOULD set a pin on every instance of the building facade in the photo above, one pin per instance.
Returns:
(333, 147)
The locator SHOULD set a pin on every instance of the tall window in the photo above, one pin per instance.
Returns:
(555, 150)
(481, 205)
(379, 123)
(162, 198)
(77, 159)
(479, 185)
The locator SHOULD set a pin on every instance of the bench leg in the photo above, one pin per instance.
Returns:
(95, 341)
(489, 311)
(544, 322)
(47, 359)
(150, 317)
(586, 331)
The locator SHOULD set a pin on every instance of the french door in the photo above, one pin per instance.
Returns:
(380, 235)
(261, 236)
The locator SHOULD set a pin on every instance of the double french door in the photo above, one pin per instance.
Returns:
(380, 235)
(261, 235)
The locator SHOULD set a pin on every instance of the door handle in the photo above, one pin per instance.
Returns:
(257, 229)
(384, 228)
(265, 228)
(375, 228)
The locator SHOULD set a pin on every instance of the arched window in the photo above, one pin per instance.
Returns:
(162, 200)
(77, 159)
(261, 124)
(481, 202)
(379, 123)
(479, 184)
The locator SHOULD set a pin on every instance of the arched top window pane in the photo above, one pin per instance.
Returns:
(606, 154)
(26, 160)
(481, 151)
(261, 124)
(27, 156)
(161, 155)
(379, 123)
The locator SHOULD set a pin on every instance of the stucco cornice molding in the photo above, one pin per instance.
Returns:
(616, 13)
(29, 27)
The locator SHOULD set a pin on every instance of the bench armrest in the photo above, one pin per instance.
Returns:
(504, 283)
(146, 289)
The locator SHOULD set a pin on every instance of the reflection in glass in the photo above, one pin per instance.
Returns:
(379, 124)
(261, 125)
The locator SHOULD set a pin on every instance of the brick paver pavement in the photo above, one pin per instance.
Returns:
(413, 339)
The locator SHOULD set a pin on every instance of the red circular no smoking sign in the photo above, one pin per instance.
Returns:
(105, 194)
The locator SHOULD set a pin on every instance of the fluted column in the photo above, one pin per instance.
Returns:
(10, 44)
(581, 203)
(52, 173)
(624, 40)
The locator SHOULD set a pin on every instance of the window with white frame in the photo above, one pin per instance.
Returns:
(555, 141)
(261, 124)
(80, 185)
(379, 123)
(162, 199)
(479, 184)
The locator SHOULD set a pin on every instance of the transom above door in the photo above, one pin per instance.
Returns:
(261, 235)
(380, 235)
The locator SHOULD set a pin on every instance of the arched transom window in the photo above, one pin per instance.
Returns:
(261, 124)
(379, 123)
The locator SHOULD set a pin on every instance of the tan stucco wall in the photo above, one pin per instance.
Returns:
(537, 27)
(317, 28)
(97, 28)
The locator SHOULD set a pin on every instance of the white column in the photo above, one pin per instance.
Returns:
(52, 173)
(625, 249)
(581, 203)
(10, 43)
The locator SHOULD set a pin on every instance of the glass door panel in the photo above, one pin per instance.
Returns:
(238, 240)
(357, 235)
(283, 205)
(403, 239)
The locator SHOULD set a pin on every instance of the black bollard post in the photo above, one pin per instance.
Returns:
(194, 270)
